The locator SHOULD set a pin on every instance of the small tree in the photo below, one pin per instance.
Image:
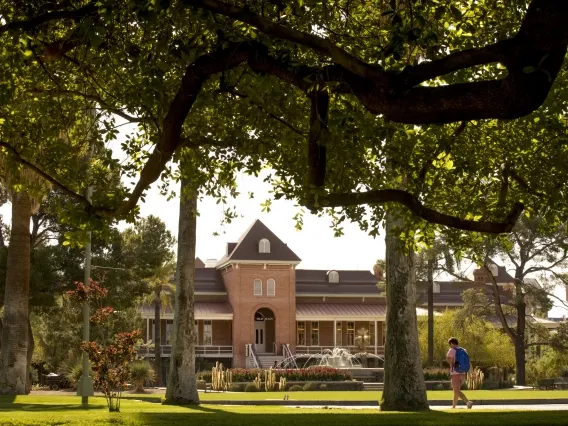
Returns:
(110, 360)
(111, 365)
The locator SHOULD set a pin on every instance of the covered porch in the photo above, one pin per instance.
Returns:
(359, 328)
(213, 324)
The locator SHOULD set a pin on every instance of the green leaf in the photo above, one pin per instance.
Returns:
(529, 69)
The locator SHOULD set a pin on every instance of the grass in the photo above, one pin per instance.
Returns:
(55, 410)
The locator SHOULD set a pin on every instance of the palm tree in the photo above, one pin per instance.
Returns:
(160, 294)
(17, 340)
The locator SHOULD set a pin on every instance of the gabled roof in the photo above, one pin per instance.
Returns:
(502, 275)
(246, 247)
(310, 281)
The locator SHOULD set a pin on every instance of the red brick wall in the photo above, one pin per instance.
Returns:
(240, 288)
(222, 333)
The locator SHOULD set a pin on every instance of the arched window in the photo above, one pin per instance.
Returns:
(257, 287)
(264, 246)
(494, 270)
(333, 276)
(270, 287)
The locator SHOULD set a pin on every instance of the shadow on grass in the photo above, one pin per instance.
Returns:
(202, 415)
(16, 406)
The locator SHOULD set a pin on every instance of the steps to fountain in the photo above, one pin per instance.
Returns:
(267, 360)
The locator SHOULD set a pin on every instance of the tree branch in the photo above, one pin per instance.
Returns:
(33, 23)
(499, 307)
(317, 155)
(95, 98)
(17, 156)
(235, 92)
(319, 44)
(410, 201)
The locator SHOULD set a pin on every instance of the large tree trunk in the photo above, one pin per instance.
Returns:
(31, 347)
(430, 312)
(182, 384)
(13, 362)
(520, 335)
(157, 341)
(404, 387)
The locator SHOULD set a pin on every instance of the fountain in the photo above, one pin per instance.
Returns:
(339, 358)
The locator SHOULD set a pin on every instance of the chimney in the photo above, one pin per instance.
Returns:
(210, 263)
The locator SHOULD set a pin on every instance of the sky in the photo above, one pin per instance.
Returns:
(315, 244)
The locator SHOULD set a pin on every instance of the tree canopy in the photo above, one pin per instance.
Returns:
(323, 93)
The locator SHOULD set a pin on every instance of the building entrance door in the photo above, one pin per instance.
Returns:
(260, 336)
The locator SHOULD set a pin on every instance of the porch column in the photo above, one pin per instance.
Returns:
(375, 337)
(334, 333)
(147, 329)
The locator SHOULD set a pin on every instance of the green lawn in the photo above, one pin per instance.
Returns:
(375, 396)
(55, 410)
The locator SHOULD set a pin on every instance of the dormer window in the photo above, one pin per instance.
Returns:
(333, 276)
(264, 246)
(494, 270)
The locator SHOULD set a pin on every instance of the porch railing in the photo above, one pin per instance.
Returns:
(251, 352)
(200, 350)
(303, 349)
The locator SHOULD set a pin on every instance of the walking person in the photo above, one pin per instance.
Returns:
(459, 366)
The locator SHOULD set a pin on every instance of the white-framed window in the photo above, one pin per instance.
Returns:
(350, 333)
(258, 287)
(315, 336)
(270, 287)
(333, 276)
(301, 333)
(169, 331)
(207, 332)
(338, 334)
(436, 287)
(371, 333)
(264, 246)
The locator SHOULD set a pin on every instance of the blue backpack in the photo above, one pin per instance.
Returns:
(461, 364)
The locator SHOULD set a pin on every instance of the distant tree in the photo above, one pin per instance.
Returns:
(534, 248)
(161, 293)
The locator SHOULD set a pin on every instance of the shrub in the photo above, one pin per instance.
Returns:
(296, 388)
(436, 374)
(323, 387)
(236, 387)
(311, 386)
(550, 365)
(141, 372)
(72, 370)
(251, 387)
(201, 384)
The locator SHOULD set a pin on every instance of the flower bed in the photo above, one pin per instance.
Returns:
(320, 374)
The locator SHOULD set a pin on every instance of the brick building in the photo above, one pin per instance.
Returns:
(255, 296)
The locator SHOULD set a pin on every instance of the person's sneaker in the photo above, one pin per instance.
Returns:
(469, 405)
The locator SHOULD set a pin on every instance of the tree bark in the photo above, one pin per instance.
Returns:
(520, 355)
(157, 341)
(13, 362)
(430, 312)
(31, 347)
(182, 384)
(404, 387)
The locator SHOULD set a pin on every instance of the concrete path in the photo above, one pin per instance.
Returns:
(540, 407)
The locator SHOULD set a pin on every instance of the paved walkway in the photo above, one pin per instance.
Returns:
(540, 407)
